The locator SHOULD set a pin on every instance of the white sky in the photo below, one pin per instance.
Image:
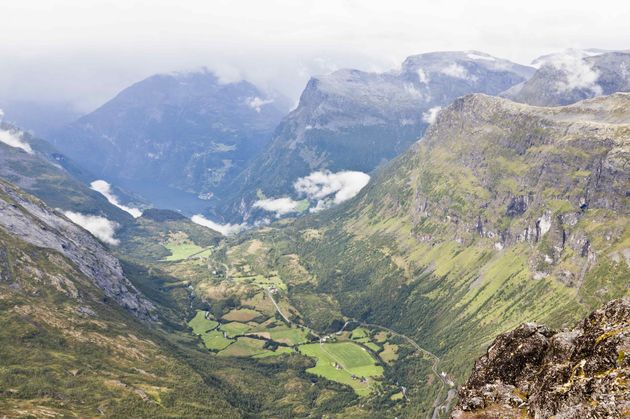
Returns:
(85, 51)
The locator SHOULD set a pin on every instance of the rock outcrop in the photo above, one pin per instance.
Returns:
(534, 371)
(30, 220)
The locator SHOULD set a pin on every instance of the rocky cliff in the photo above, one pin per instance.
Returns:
(357, 120)
(534, 371)
(28, 219)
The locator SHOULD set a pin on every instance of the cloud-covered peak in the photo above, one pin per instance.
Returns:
(14, 138)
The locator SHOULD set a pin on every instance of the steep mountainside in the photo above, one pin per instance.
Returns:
(35, 166)
(572, 76)
(31, 221)
(354, 120)
(539, 372)
(502, 213)
(77, 339)
(188, 131)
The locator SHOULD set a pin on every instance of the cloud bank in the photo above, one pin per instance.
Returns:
(100, 227)
(225, 229)
(105, 189)
(577, 71)
(281, 206)
(330, 188)
(14, 139)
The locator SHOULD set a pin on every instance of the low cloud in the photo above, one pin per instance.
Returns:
(579, 74)
(431, 115)
(225, 229)
(257, 103)
(281, 206)
(13, 138)
(331, 188)
(100, 227)
(105, 189)
(457, 71)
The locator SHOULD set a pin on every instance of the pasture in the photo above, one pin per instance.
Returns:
(341, 361)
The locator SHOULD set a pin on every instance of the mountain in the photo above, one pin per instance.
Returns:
(40, 169)
(539, 372)
(83, 334)
(31, 221)
(574, 75)
(353, 120)
(503, 212)
(188, 132)
(39, 118)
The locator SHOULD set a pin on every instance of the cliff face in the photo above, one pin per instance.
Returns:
(539, 372)
(356, 120)
(30, 220)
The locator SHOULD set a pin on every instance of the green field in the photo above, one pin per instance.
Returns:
(242, 315)
(263, 281)
(235, 328)
(290, 336)
(373, 346)
(352, 359)
(245, 347)
(215, 341)
(183, 251)
(200, 324)
(280, 351)
(359, 333)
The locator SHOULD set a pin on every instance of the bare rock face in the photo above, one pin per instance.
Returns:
(30, 220)
(537, 372)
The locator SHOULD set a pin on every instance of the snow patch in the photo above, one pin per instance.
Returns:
(476, 56)
(281, 206)
(225, 229)
(431, 115)
(257, 103)
(105, 189)
(100, 227)
(13, 138)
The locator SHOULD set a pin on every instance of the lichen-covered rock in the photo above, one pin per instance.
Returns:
(536, 372)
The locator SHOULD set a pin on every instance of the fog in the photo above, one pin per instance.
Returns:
(83, 53)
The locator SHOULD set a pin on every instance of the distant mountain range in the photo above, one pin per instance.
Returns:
(353, 120)
(574, 75)
(188, 131)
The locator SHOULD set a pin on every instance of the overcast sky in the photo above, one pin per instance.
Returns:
(85, 51)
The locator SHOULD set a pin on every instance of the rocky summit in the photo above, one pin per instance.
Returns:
(534, 371)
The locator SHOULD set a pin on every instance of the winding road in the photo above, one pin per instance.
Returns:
(439, 406)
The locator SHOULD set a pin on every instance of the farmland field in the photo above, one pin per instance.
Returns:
(351, 359)
(245, 347)
(290, 336)
(235, 328)
(200, 324)
(241, 315)
(215, 341)
(180, 251)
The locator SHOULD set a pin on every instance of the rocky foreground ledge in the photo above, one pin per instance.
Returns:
(534, 371)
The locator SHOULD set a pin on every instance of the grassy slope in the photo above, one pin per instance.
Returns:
(431, 250)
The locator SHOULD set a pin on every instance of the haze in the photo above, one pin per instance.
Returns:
(83, 53)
